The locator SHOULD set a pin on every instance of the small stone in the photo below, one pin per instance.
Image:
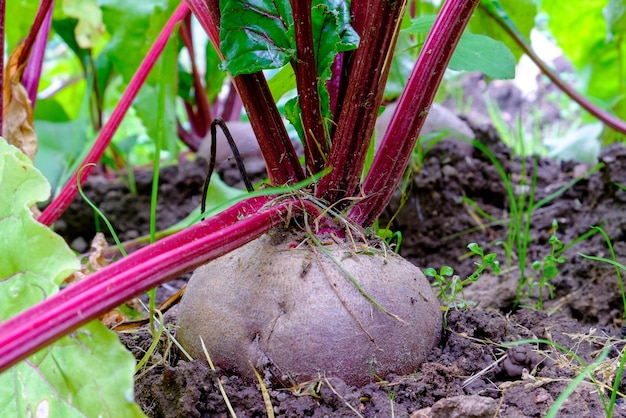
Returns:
(464, 406)
(79, 244)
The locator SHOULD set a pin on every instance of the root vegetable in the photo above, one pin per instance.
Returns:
(293, 312)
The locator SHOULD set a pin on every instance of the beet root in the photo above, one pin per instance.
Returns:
(293, 313)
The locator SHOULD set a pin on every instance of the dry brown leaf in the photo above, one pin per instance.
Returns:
(18, 128)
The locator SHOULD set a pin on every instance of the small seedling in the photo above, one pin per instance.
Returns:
(546, 269)
(450, 285)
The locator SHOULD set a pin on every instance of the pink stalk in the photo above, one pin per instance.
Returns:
(305, 69)
(3, 5)
(32, 73)
(200, 117)
(334, 84)
(164, 260)
(32, 35)
(232, 106)
(399, 140)
(63, 200)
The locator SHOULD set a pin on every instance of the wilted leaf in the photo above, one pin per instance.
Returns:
(88, 373)
(17, 115)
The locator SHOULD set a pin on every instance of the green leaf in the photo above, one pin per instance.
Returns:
(214, 76)
(156, 101)
(430, 272)
(402, 62)
(484, 54)
(615, 15)
(20, 15)
(521, 13)
(550, 272)
(281, 82)
(61, 146)
(331, 28)
(475, 248)
(133, 27)
(446, 271)
(420, 25)
(89, 28)
(293, 115)
(474, 52)
(256, 35)
(86, 374)
(580, 29)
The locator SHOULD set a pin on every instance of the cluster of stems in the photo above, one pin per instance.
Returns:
(356, 93)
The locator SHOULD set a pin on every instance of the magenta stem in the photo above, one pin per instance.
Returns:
(401, 136)
(164, 260)
(32, 73)
(69, 191)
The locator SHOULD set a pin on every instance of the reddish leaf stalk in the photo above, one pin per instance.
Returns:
(34, 30)
(400, 138)
(32, 73)
(64, 199)
(102, 291)
(368, 75)
(334, 84)
(231, 108)
(3, 5)
(200, 117)
(281, 160)
(305, 69)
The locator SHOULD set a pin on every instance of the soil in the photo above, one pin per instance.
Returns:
(497, 357)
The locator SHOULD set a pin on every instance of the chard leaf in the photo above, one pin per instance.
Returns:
(85, 374)
(256, 35)
(518, 13)
(484, 54)
(474, 52)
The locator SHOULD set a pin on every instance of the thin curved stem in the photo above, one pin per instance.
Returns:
(604, 116)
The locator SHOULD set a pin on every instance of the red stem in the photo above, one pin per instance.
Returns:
(231, 110)
(283, 165)
(368, 75)
(32, 72)
(400, 138)
(164, 260)
(3, 5)
(34, 30)
(201, 118)
(305, 68)
(69, 191)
